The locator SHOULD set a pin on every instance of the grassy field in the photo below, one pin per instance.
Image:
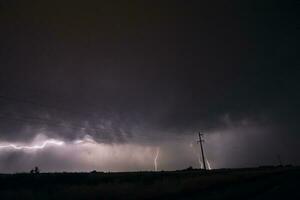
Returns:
(254, 183)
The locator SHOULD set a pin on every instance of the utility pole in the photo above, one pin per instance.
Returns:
(201, 147)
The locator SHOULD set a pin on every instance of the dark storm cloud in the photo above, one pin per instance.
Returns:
(144, 69)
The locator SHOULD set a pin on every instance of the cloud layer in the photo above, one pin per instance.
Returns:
(140, 75)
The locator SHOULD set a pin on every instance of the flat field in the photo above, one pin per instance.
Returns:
(252, 183)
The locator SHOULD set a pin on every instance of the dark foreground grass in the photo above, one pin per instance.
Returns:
(258, 183)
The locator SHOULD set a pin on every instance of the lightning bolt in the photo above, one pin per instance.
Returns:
(208, 164)
(199, 159)
(200, 162)
(196, 154)
(86, 139)
(156, 157)
(33, 147)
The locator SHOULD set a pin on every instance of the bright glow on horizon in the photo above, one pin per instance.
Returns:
(87, 154)
(83, 154)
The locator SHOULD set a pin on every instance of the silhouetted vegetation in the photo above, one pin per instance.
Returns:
(36, 170)
(185, 184)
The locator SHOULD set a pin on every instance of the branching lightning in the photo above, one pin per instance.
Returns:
(156, 157)
(33, 147)
(41, 142)
(46, 143)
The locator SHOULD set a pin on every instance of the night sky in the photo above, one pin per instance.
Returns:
(114, 84)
